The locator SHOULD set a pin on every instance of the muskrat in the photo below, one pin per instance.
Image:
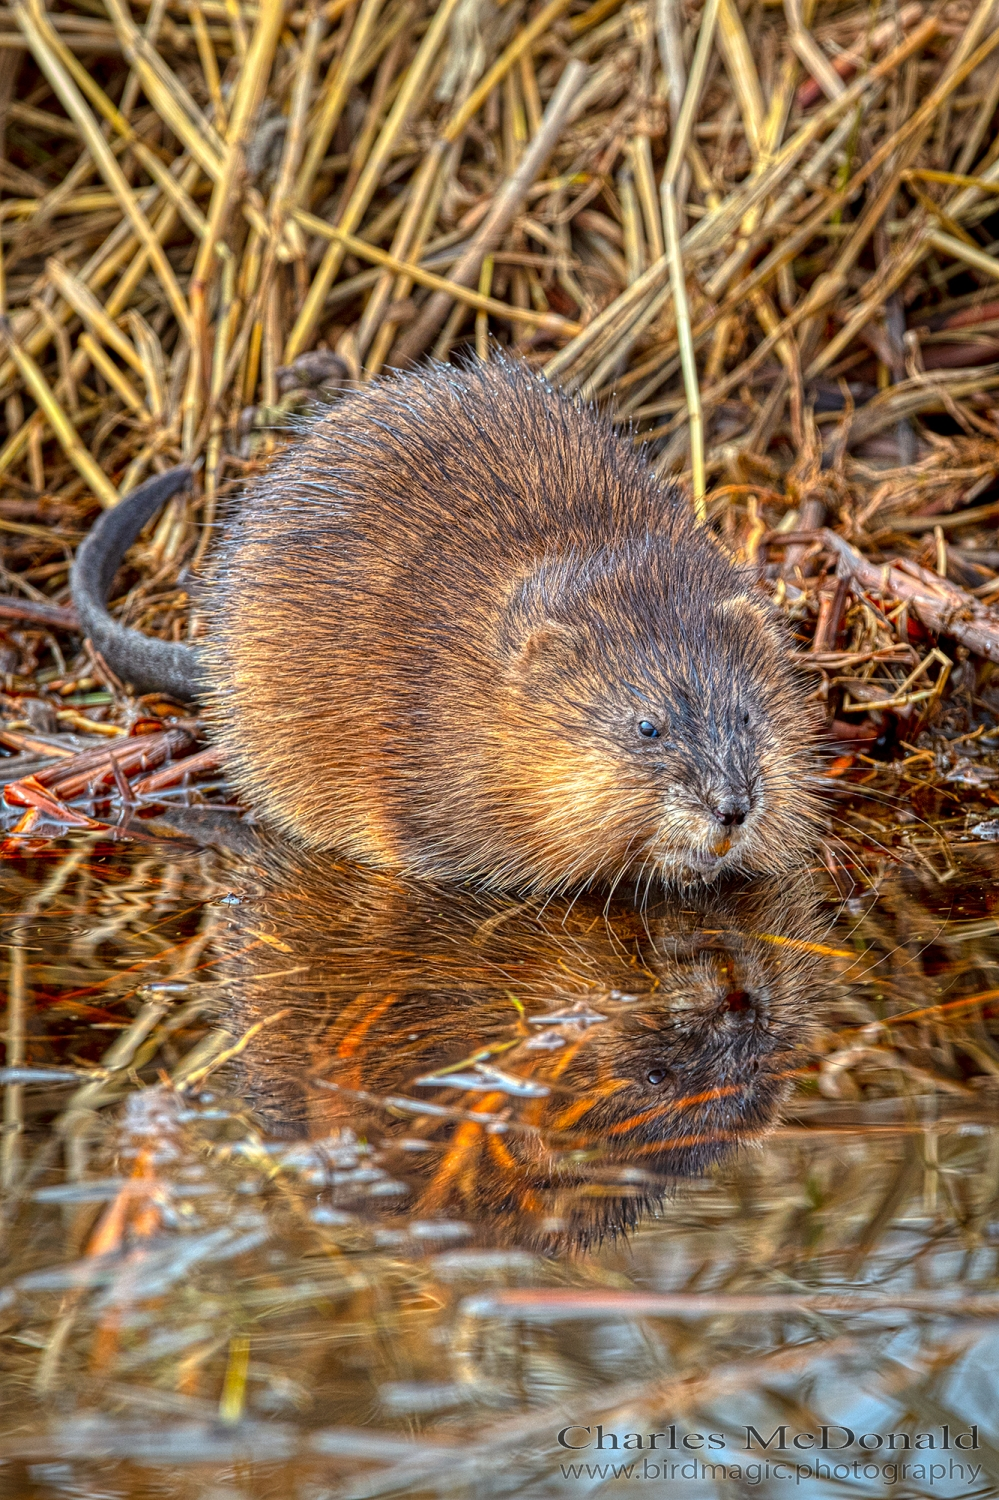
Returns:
(461, 629)
(624, 1050)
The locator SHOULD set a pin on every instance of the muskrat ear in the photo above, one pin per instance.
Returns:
(546, 642)
(529, 634)
(758, 613)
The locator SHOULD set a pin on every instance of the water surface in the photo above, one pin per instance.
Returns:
(319, 1184)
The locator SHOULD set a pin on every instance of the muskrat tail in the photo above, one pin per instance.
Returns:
(147, 664)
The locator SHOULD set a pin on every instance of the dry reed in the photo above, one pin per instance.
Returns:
(760, 239)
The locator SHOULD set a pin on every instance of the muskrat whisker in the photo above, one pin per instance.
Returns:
(890, 953)
(869, 837)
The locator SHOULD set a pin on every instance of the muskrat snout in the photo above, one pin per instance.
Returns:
(713, 821)
(731, 811)
(712, 850)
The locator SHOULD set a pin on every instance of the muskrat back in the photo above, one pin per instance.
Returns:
(462, 629)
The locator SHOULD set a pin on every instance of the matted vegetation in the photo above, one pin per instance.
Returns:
(763, 240)
(759, 237)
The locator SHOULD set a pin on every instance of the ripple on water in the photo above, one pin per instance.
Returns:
(367, 1188)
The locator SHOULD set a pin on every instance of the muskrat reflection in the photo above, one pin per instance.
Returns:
(540, 1071)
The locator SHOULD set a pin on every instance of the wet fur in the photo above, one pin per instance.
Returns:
(706, 1001)
(435, 624)
(438, 619)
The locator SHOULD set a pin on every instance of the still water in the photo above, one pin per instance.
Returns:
(320, 1185)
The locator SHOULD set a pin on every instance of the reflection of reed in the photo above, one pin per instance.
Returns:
(546, 1069)
(168, 1264)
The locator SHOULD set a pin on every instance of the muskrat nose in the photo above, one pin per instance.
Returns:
(731, 812)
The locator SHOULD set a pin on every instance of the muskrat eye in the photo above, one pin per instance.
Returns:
(648, 730)
(657, 1075)
(745, 717)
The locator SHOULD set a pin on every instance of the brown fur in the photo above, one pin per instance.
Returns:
(438, 621)
(692, 1012)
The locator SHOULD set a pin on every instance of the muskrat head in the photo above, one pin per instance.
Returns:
(662, 730)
